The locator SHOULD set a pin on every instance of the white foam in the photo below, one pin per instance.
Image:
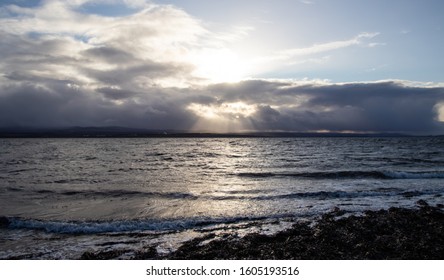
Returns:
(121, 226)
(414, 175)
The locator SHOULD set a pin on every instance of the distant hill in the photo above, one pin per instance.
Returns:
(122, 132)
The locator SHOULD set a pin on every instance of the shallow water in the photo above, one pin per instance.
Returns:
(65, 196)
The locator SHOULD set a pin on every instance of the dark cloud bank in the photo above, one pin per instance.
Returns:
(279, 106)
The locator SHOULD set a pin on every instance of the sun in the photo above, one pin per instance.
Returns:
(219, 66)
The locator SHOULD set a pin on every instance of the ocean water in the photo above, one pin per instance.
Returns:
(62, 197)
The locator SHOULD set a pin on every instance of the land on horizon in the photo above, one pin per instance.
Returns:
(128, 132)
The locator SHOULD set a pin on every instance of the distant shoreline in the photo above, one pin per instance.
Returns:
(123, 132)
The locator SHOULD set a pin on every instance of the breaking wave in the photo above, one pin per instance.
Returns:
(355, 174)
(97, 227)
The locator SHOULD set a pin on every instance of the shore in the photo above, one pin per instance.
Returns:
(396, 233)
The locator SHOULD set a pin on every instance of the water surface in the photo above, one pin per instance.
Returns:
(65, 196)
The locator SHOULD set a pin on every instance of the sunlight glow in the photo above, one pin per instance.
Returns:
(205, 111)
(233, 110)
(440, 111)
(219, 66)
(223, 117)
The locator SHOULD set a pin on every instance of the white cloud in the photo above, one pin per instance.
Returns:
(317, 60)
(53, 17)
(377, 68)
(58, 41)
(325, 47)
(314, 54)
(372, 45)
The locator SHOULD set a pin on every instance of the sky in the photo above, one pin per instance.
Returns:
(224, 66)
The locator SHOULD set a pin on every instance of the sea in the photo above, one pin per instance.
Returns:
(60, 198)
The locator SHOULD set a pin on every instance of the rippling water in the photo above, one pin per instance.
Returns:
(62, 197)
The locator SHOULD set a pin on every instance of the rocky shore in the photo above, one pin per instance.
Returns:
(396, 233)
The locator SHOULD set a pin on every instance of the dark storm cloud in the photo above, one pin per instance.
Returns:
(109, 54)
(255, 91)
(385, 106)
(56, 81)
(116, 94)
(364, 107)
(126, 74)
(309, 106)
(38, 106)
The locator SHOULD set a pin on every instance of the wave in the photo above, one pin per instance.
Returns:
(414, 175)
(324, 195)
(98, 227)
(248, 194)
(115, 193)
(227, 195)
(354, 174)
(201, 223)
(125, 193)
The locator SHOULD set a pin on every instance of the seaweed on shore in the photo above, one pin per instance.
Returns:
(396, 233)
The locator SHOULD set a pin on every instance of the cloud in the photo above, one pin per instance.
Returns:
(324, 47)
(62, 66)
(316, 53)
(57, 41)
(386, 106)
(374, 44)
